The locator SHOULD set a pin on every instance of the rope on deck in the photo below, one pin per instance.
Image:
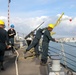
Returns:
(16, 62)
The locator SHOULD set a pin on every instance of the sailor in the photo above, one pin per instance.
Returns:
(35, 42)
(29, 40)
(3, 43)
(45, 43)
(11, 34)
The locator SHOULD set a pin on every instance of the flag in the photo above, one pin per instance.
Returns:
(9, 1)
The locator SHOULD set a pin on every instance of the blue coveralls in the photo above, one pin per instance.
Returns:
(45, 43)
(35, 42)
(3, 40)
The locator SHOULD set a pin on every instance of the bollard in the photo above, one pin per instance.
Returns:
(56, 63)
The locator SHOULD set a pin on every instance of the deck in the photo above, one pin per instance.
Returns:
(28, 66)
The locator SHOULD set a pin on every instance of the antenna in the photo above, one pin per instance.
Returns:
(9, 13)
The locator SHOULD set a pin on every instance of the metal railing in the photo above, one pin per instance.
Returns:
(67, 58)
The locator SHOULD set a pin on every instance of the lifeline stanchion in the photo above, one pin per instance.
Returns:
(63, 54)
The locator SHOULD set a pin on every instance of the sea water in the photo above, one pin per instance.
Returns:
(69, 50)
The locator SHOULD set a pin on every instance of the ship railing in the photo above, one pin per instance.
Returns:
(67, 59)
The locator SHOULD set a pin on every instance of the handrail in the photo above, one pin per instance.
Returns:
(66, 61)
(63, 56)
(56, 51)
(60, 50)
(69, 44)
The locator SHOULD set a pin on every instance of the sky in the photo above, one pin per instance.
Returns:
(26, 15)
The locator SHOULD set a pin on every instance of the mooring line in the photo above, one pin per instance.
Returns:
(16, 62)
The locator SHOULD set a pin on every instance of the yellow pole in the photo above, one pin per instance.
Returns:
(57, 23)
(59, 20)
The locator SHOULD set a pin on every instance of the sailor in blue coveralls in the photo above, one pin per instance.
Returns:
(3, 43)
(35, 42)
(45, 43)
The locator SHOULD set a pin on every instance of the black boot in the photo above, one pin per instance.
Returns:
(13, 51)
(2, 66)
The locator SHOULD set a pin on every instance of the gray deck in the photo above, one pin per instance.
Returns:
(29, 66)
(9, 66)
